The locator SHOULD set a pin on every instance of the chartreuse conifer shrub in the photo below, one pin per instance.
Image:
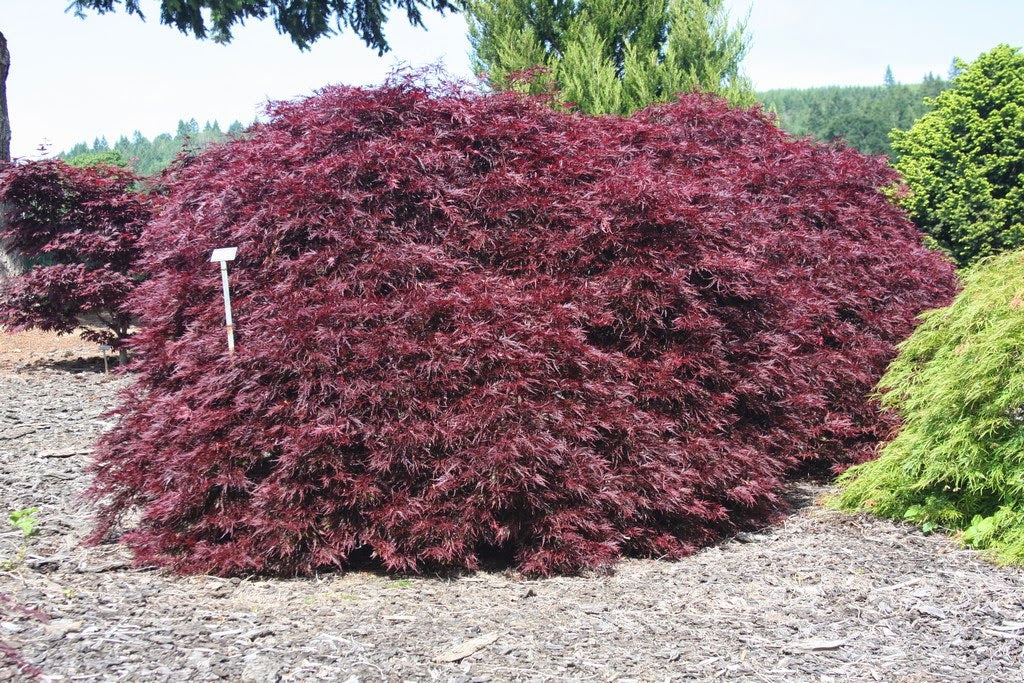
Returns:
(958, 385)
(469, 323)
(963, 161)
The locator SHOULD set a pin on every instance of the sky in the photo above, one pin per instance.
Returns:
(73, 80)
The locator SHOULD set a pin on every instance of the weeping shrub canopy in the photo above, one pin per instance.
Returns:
(958, 383)
(79, 227)
(468, 323)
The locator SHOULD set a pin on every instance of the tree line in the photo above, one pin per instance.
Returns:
(862, 115)
(147, 157)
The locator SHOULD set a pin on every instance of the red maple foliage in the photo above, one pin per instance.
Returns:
(81, 228)
(468, 324)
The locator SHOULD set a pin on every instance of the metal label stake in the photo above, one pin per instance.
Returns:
(104, 348)
(222, 256)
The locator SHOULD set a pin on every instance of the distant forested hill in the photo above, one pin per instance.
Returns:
(147, 156)
(862, 115)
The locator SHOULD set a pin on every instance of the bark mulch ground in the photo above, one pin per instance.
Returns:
(824, 597)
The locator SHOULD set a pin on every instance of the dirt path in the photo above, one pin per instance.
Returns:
(21, 349)
(825, 597)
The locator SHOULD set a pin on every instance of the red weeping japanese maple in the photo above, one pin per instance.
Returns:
(469, 324)
(79, 227)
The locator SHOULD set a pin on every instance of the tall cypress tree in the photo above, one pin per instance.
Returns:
(611, 56)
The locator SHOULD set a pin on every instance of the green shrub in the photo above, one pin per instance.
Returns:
(101, 158)
(958, 384)
(964, 160)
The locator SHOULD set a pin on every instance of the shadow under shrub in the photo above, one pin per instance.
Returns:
(468, 322)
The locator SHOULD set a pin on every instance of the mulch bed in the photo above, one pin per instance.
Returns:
(824, 597)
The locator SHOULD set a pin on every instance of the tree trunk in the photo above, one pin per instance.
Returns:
(9, 263)
(5, 122)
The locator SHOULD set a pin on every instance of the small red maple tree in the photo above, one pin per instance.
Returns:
(79, 228)
(469, 323)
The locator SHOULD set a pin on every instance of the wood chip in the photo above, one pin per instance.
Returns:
(17, 433)
(65, 452)
(61, 627)
(1002, 634)
(898, 586)
(932, 610)
(815, 645)
(459, 652)
(1009, 626)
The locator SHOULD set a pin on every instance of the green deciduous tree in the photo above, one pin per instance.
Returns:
(611, 56)
(304, 21)
(100, 158)
(964, 160)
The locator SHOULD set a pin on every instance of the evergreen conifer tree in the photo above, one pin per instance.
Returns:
(963, 161)
(610, 56)
(889, 80)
